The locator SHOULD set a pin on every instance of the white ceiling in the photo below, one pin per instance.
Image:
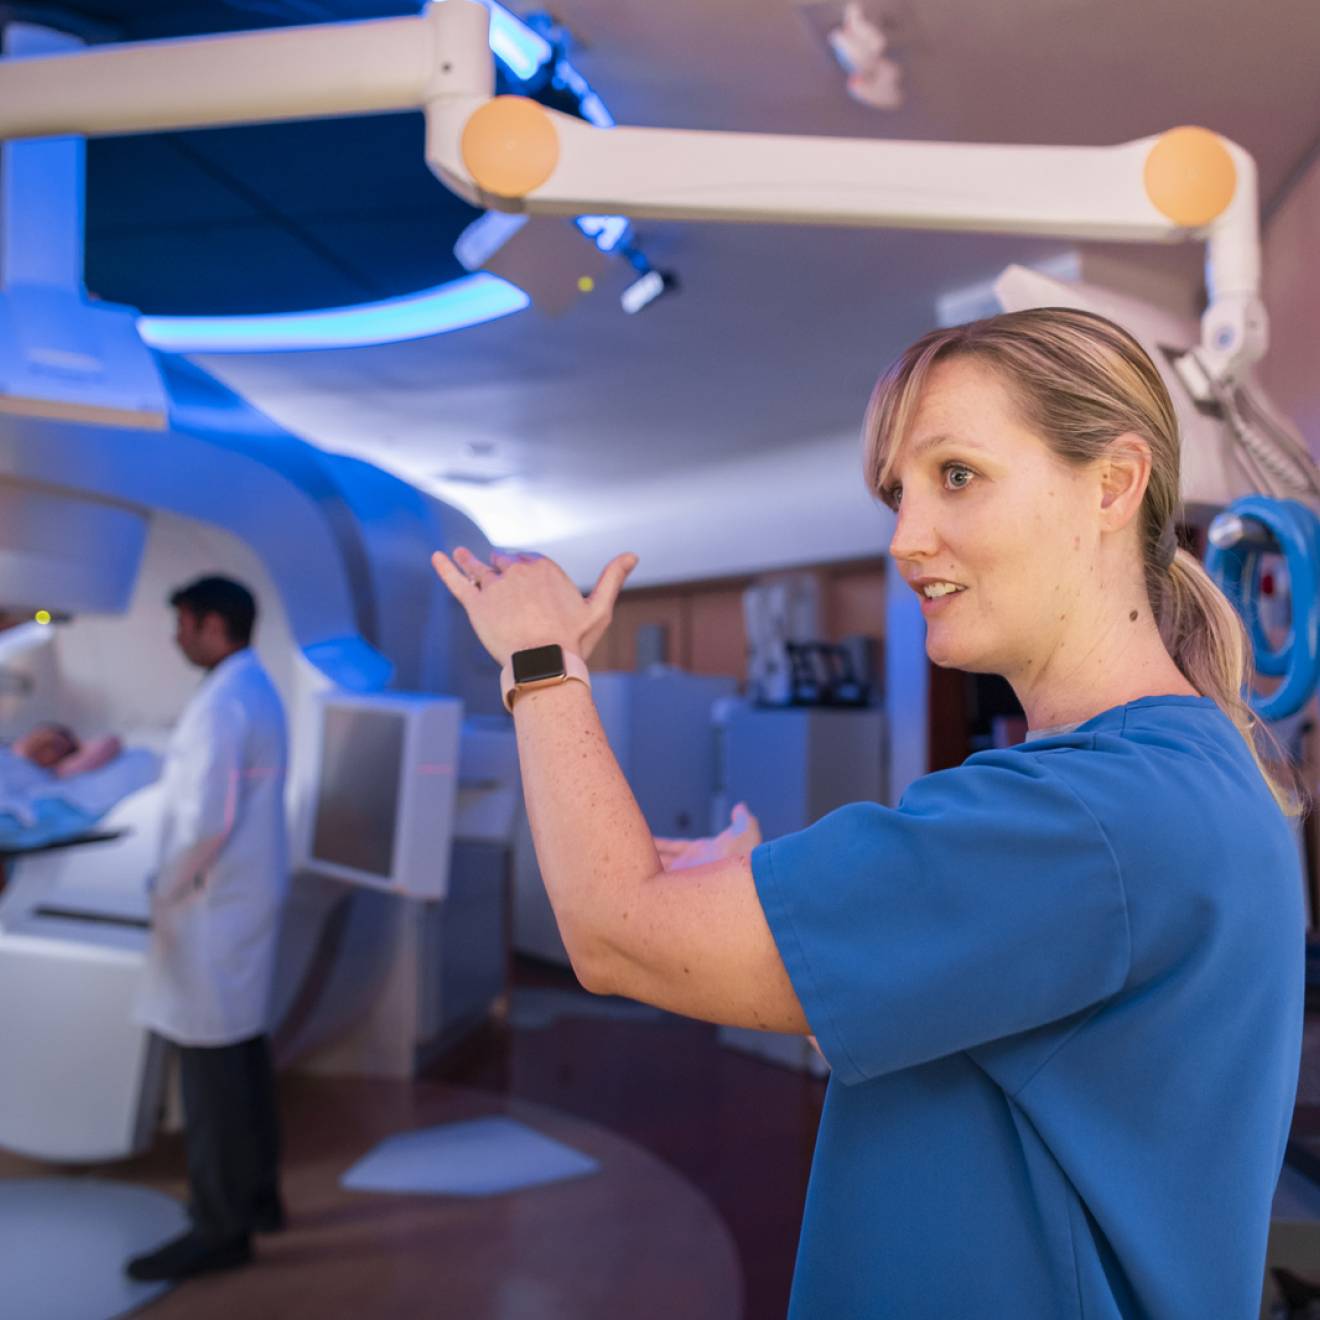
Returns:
(778, 333)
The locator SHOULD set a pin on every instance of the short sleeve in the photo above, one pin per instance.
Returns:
(989, 902)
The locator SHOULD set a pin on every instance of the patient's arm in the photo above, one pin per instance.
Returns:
(90, 756)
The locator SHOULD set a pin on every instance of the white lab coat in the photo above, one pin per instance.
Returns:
(223, 869)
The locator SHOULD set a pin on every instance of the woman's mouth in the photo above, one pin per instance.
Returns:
(933, 590)
(936, 597)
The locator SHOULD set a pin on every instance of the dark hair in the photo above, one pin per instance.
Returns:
(231, 600)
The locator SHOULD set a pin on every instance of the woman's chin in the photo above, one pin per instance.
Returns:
(940, 651)
(948, 654)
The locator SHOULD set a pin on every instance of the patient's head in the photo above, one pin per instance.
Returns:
(46, 745)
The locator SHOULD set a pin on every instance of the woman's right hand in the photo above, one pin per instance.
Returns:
(742, 835)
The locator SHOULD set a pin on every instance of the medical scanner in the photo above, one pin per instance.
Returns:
(402, 794)
(124, 472)
(391, 842)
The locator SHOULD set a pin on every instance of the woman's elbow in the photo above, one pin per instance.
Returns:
(592, 965)
(593, 974)
(591, 980)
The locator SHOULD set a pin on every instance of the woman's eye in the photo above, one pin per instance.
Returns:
(957, 476)
(894, 496)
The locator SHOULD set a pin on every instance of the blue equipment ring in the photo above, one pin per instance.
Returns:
(1294, 531)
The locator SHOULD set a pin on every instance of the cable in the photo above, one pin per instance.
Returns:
(1279, 457)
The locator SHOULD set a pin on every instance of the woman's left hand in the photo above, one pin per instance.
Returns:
(519, 601)
(737, 839)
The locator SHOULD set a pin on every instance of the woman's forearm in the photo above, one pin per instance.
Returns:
(700, 946)
(593, 844)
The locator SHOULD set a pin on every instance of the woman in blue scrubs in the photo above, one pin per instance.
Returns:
(1060, 986)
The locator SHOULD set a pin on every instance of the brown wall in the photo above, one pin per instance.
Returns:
(706, 636)
(705, 619)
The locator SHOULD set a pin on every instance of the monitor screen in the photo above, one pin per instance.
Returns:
(357, 795)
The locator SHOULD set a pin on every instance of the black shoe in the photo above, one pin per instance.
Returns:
(185, 1256)
(269, 1217)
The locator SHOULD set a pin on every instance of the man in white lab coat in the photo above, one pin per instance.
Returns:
(216, 904)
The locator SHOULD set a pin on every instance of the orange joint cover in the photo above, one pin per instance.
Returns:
(510, 146)
(1190, 176)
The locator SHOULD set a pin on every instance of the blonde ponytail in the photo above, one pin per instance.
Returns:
(1208, 642)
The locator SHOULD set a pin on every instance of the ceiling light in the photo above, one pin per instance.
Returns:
(484, 237)
(607, 231)
(515, 44)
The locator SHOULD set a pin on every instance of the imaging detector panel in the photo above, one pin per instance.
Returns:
(357, 792)
(384, 786)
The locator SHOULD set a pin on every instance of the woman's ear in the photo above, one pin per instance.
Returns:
(1124, 475)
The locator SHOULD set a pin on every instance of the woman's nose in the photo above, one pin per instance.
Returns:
(914, 535)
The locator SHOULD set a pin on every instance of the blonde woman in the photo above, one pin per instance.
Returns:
(1061, 985)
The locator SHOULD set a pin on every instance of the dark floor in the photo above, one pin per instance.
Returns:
(703, 1152)
(742, 1130)
(725, 1143)
(632, 1241)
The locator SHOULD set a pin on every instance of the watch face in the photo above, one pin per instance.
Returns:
(541, 662)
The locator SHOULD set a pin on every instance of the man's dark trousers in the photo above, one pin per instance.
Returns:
(231, 1127)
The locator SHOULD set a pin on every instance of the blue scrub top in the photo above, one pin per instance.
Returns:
(1061, 991)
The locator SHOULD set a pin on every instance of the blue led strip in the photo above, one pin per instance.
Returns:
(470, 300)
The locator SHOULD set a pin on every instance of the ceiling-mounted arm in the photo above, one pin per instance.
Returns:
(515, 155)
(510, 153)
(312, 72)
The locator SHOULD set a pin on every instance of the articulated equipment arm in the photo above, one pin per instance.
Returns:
(509, 153)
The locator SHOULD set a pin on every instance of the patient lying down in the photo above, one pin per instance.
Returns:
(53, 787)
(55, 747)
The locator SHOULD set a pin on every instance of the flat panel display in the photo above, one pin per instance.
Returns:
(357, 796)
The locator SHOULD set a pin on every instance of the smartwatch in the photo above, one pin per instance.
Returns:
(538, 667)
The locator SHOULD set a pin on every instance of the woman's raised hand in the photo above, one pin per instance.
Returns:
(518, 601)
(739, 838)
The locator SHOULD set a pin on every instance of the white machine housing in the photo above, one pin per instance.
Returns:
(66, 982)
